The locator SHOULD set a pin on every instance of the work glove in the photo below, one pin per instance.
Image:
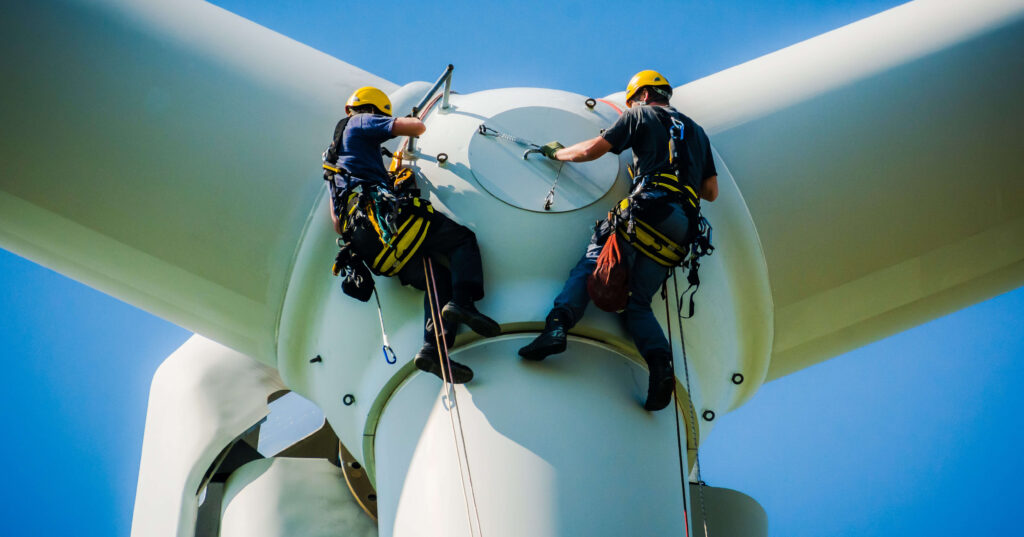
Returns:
(550, 149)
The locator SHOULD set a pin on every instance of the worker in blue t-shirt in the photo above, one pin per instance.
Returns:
(667, 200)
(369, 213)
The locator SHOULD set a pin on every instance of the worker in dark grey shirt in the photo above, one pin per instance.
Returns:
(670, 204)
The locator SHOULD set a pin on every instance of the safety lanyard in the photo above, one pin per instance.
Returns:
(488, 131)
(549, 199)
(389, 353)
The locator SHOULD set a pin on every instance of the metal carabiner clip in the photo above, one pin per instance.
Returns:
(389, 354)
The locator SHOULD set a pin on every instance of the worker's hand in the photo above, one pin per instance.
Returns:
(550, 149)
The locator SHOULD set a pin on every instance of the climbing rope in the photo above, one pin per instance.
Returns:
(450, 394)
(693, 415)
(675, 407)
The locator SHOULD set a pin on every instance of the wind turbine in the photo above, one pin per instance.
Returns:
(793, 287)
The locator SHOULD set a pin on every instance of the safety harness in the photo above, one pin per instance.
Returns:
(386, 227)
(628, 217)
(643, 236)
(386, 231)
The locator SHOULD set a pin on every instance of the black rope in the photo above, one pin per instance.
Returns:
(675, 395)
(693, 414)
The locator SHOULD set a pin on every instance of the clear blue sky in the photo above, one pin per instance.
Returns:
(914, 435)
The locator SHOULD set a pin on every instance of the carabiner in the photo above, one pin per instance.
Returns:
(526, 153)
(389, 354)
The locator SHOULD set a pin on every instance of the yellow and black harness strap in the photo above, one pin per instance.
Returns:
(406, 241)
(650, 241)
(351, 205)
(402, 178)
(671, 183)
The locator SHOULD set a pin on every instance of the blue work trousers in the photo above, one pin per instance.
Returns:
(645, 277)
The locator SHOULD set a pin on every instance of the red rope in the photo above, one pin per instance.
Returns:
(611, 104)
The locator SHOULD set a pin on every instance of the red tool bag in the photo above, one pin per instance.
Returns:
(608, 285)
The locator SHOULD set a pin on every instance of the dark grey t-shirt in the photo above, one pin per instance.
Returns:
(641, 129)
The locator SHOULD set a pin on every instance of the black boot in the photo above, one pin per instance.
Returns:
(550, 341)
(661, 381)
(468, 315)
(427, 359)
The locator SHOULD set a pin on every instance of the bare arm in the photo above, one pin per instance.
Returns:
(585, 151)
(408, 126)
(334, 218)
(709, 188)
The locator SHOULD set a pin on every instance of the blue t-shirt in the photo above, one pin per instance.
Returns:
(359, 150)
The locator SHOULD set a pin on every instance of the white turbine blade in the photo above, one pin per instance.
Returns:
(881, 163)
(203, 397)
(165, 152)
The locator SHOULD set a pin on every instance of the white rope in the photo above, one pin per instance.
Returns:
(453, 402)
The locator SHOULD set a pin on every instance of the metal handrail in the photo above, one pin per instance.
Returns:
(446, 80)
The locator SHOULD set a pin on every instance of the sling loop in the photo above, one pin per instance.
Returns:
(389, 353)
(450, 394)
(699, 247)
(693, 416)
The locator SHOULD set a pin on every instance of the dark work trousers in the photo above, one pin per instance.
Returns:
(645, 277)
(413, 274)
(458, 271)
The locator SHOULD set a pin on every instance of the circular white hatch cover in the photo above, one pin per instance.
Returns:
(499, 167)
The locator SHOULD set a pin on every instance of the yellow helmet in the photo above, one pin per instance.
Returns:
(645, 78)
(369, 95)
